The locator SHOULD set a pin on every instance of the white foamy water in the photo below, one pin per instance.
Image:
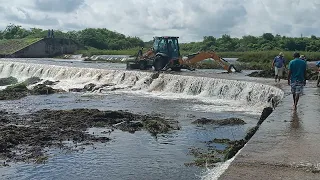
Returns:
(76, 56)
(217, 94)
(211, 94)
(110, 57)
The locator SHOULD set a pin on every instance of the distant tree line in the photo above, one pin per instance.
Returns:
(266, 42)
(99, 38)
(104, 39)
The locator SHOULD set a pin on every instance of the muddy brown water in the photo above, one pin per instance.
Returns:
(136, 155)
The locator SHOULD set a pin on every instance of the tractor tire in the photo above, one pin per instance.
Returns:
(159, 63)
(143, 65)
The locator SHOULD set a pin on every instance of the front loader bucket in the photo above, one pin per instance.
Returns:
(132, 65)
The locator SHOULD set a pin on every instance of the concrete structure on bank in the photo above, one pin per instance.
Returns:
(45, 48)
(286, 146)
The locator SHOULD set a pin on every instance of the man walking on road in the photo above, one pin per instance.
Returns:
(278, 65)
(297, 77)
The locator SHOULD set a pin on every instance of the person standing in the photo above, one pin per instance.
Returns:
(303, 57)
(49, 33)
(297, 77)
(318, 80)
(278, 65)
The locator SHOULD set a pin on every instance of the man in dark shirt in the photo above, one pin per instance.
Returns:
(297, 77)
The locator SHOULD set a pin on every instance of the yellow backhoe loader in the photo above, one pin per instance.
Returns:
(165, 54)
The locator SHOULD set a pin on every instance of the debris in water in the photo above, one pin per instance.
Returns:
(41, 89)
(222, 122)
(204, 158)
(23, 138)
(32, 80)
(8, 81)
(12, 92)
(18, 91)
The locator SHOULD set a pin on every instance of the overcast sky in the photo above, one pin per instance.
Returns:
(189, 19)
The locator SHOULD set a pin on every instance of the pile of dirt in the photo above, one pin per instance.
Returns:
(311, 74)
(264, 73)
(222, 122)
(8, 81)
(93, 87)
(87, 87)
(41, 89)
(23, 138)
(12, 80)
(12, 92)
(50, 83)
(32, 80)
(18, 91)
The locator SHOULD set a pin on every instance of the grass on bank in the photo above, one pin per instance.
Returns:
(90, 51)
(13, 45)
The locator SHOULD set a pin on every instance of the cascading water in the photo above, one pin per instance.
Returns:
(110, 57)
(209, 90)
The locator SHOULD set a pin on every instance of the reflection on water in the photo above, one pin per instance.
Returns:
(295, 121)
(295, 128)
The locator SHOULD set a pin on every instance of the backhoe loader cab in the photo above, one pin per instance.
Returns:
(168, 46)
(164, 54)
(167, 53)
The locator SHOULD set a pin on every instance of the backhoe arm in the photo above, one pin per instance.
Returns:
(200, 56)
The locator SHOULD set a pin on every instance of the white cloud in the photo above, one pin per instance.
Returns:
(189, 19)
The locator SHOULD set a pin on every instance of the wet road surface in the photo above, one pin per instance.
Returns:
(286, 146)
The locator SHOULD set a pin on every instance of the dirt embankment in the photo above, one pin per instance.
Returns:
(23, 138)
